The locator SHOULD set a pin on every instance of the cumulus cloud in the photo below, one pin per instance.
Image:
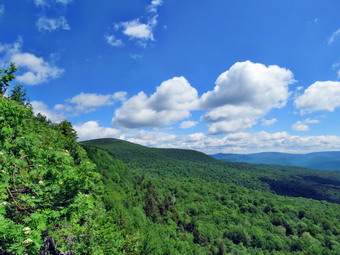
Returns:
(51, 24)
(135, 29)
(320, 96)
(335, 36)
(300, 126)
(89, 102)
(171, 102)
(92, 130)
(243, 94)
(234, 125)
(188, 124)
(231, 112)
(231, 118)
(248, 83)
(266, 122)
(113, 41)
(36, 69)
(42, 108)
(92, 99)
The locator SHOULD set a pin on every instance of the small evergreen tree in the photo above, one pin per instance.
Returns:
(20, 95)
(6, 76)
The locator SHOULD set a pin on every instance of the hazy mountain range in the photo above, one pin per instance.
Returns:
(328, 160)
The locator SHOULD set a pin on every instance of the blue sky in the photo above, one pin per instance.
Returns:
(215, 76)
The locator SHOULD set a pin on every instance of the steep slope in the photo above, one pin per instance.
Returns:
(329, 160)
(166, 215)
(48, 189)
(322, 185)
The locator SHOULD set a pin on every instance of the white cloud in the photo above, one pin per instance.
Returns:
(229, 126)
(231, 118)
(321, 95)
(244, 94)
(48, 3)
(152, 139)
(65, 2)
(51, 24)
(136, 30)
(39, 71)
(42, 108)
(92, 99)
(36, 69)
(92, 130)
(231, 112)
(171, 102)
(240, 142)
(335, 36)
(311, 121)
(247, 83)
(113, 41)
(268, 122)
(188, 124)
(154, 5)
(300, 126)
(88, 102)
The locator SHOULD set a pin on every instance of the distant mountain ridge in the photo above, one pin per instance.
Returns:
(328, 160)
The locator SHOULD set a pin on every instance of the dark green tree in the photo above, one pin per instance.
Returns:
(67, 130)
(19, 94)
(6, 76)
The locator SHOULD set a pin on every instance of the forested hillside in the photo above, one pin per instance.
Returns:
(283, 180)
(171, 215)
(48, 186)
(327, 160)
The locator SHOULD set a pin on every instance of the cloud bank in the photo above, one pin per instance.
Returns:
(242, 96)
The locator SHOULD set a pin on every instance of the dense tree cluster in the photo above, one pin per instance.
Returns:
(48, 187)
(169, 215)
(175, 163)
